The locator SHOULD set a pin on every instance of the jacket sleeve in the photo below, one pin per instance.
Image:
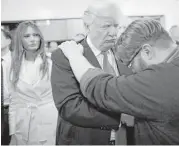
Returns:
(135, 95)
(71, 104)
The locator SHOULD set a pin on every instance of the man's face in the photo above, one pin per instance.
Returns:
(138, 64)
(146, 57)
(103, 32)
(5, 41)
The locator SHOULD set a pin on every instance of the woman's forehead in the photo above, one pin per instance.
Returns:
(30, 29)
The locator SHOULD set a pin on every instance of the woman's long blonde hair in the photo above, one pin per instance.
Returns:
(18, 51)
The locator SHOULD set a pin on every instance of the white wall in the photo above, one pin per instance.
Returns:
(57, 9)
(42, 9)
(53, 30)
(169, 8)
(60, 29)
(14, 10)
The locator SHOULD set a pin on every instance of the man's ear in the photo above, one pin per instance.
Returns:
(147, 52)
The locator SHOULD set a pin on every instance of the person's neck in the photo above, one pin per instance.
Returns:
(4, 51)
(30, 56)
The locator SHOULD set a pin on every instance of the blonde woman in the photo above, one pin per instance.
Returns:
(33, 115)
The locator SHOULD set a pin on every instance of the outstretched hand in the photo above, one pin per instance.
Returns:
(71, 49)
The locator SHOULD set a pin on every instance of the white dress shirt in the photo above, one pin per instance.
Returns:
(6, 64)
(111, 60)
(100, 56)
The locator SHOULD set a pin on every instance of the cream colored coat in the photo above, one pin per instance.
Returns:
(33, 115)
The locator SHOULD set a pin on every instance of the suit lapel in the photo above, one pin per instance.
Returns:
(122, 69)
(89, 54)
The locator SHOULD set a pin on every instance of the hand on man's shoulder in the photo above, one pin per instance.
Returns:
(59, 59)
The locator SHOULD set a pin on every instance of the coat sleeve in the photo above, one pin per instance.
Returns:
(71, 104)
(135, 95)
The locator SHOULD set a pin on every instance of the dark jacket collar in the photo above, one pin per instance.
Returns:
(122, 69)
(89, 54)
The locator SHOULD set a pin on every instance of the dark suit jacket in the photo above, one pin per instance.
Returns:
(2, 117)
(2, 103)
(79, 122)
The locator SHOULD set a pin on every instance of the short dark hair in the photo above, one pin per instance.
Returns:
(6, 33)
(138, 33)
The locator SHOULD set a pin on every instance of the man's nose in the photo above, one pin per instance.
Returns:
(113, 31)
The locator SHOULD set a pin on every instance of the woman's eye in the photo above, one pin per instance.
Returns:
(26, 36)
(35, 35)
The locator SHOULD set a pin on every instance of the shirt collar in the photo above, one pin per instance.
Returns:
(93, 48)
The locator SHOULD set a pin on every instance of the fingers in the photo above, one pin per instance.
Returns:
(81, 48)
(67, 44)
(71, 48)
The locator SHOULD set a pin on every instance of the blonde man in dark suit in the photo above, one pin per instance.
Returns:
(79, 121)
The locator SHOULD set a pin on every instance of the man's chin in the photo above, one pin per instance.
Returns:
(107, 47)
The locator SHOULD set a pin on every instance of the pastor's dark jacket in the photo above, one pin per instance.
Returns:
(151, 96)
(79, 122)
